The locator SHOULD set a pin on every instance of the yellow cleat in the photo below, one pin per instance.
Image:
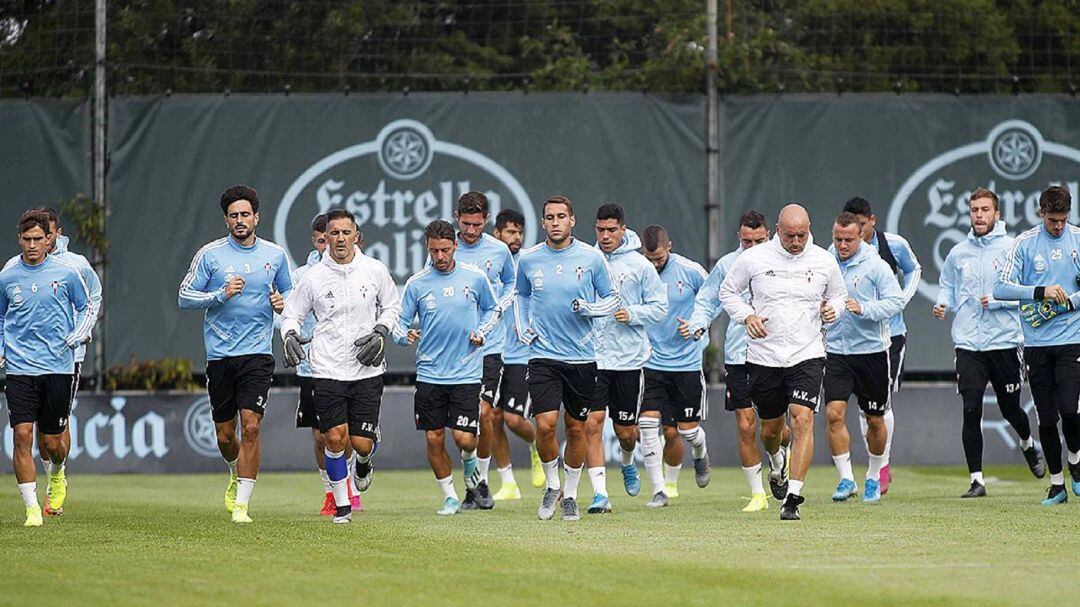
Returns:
(509, 491)
(757, 503)
(239, 514)
(33, 516)
(230, 494)
(56, 493)
(672, 490)
(538, 478)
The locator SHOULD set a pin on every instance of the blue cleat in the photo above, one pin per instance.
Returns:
(871, 491)
(1055, 495)
(600, 504)
(1074, 475)
(450, 507)
(846, 489)
(630, 480)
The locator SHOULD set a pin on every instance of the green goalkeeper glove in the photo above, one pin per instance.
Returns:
(1041, 312)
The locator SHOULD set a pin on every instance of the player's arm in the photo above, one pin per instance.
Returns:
(732, 288)
(298, 305)
(654, 305)
(3, 314)
(707, 305)
(193, 294)
(522, 303)
(889, 298)
(836, 293)
(283, 280)
(490, 313)
(507, 290)
(400, 330)
(93, 284)
(1008, 285)
(607, 296)
(79, 295)
(910, 268)
(389, 300)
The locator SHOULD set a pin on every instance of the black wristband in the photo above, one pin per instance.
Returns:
(1040, 293)
(381, 330)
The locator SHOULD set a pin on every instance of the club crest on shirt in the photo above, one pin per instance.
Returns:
(1040, 263)
(538, 280)
(466, 291)
(623, 277)
(269, 268)
(679, 285)
(55, 287)
(487, 266)
(579, 271)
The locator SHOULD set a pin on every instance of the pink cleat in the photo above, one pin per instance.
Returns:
(354, 500)
(884, 479)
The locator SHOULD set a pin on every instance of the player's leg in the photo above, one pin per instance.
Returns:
(674, 452)
(897, 358)
(1068, 400)
(22, 460)
(463, 415)
(331, 406)
(306, 418)
(500, 452)
(873, 391)
(1040, 361)
(876, 436)
(839, 386)
(624, 397)
(579, 391)
(480, 497)
(770, 400)
(737, 400)
(649, 424)
(220, 386)
(803, 384)
(364, 404)
(1007, 377)
(512, 411)
(251, 391)
(430, 413)
(545, 393)
(972, 373)
(57, 394)
(689, 410)
(594, 443)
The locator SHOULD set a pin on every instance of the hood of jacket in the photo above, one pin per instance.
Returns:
(630, 243)
(996, 232)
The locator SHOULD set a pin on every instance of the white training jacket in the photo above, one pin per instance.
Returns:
(348, 300)
(787, 290)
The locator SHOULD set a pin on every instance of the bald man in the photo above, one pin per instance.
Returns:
(795, 287)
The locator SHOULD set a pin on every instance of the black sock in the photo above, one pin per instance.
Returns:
(1051, 444)
(1011, 411)
(972, 433)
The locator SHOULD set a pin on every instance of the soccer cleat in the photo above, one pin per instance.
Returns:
(570, 509)
(790, 510)
(1074, 472)
(658, 501)
(342, 515)
(1055, 495)
(240, 514)
(548, 504)
(884, 478)
(509, 491)
(230, 494)
(354, 500)
(600, 504)
(630, 480)
(33, 516)
(778, 479)
(450, 507)
(538, 478)
(758, 502)
(702, 472)
(1035, 461)
(672, 490)
(364, 474)
(56, 493)
(976, 489)
(328, 506)
(469, 503)
(847, 488)
(871, 492)
(483, 496)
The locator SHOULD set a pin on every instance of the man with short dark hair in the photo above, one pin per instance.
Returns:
(455, 307)
(1041, 271)
(987, 335)
(241, 281)
(350, 295)
(561, 285)
(44, 316)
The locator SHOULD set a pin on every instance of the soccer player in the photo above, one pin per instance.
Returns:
(58, 249)
(622, 349)
(795, 286)
(491, 256)
(241, 281)
(513, 406)
(706, 307)
(857, 355)
(1041, 271)
(350, 294)
(455, 306)
(896, 252)
(45, 314)
(561, 284)
(987, 334)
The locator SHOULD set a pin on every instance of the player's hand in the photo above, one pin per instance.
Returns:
(527, 337)
(985, 301)
(3, 362)
(1037, 313)
(828, 314)
(476, 339)
(622, 315)
(294, 351)
(372, 347)
(1057, 294)
(277, 302)
(412, 336)
(575, 305)
(939, 311)
(234, 287)
(755, 326)
(852, 306)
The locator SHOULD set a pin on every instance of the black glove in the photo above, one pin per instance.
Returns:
(294, 352)
(372, 347)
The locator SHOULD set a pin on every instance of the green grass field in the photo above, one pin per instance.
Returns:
(149, 539)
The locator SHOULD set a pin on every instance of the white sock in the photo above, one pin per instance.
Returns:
(627, 456)
(232, 467)
(777, 459)
(695, 437)
(794, 487)
(28, 491)
(874, 471)
(671, 474)
(753, 478)
(573, 477)
(1074, 458)
(244, 487)
(551, 473)
(467, 454)
(652, 451)
(447, 486)
(1027, 443)
(843, 466)
(976, 477)
(890, 424)
(482, 466)
(598, 476)
(325, 479)
(507, 475)
(1057, 479)
(52, 468)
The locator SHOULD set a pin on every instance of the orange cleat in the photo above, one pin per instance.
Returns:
(328, 507)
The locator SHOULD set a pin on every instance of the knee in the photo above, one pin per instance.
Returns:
(835, 416)
(545, 426)
(495, 416)
(625, 433)
(595, 426)
(435, 439)
(226, 436)
(802, 422)
(250, 431)
(745, 426)
(771, 429)
(575, 431)
(23, 437)
(671, 433)
(465, 441)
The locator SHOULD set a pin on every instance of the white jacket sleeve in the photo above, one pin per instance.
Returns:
(297, 307)
(389, 299)
(836, 291)
(735, 284)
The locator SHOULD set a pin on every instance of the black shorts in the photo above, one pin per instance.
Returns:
(1003, 369)
(305, 408)
(239, 382)
(492, 378)
(619, 392)
(44, 400)
(514, 390)
(356, 403)
(864, 375)
(553, 383)
(772, 389)
(737, 384)
(897, 350)
(438, 406)
(1054, 376)
(679, 396)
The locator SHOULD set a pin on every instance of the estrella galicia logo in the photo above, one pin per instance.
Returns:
(395, 185)
(1014, 160)
(199, 428)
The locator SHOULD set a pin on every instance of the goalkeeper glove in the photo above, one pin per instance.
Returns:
(1037, 313)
